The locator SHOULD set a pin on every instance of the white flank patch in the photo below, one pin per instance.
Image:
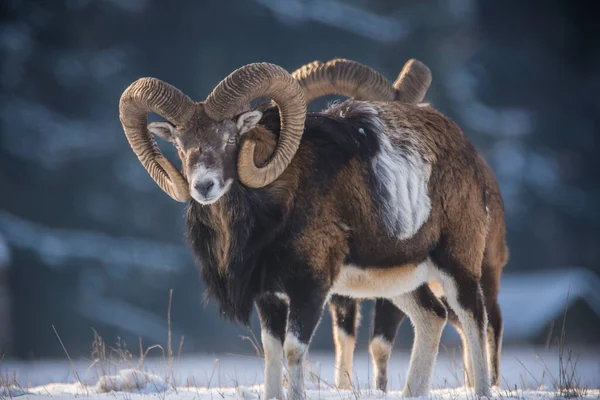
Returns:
(131, 380)
(404, 176)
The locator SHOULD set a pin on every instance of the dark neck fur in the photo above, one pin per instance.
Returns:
(229, 238)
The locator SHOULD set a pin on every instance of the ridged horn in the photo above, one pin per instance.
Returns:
(246, 84)
(351, 79)
(153, 95)
(343, 77)
(413, 82)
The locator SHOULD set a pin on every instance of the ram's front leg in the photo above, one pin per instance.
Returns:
(272, 312)
(307, 299)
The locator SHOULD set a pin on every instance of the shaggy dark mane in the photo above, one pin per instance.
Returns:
(254, 220)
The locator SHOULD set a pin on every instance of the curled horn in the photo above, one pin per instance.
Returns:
(413, 82)
(152, 95)
(343, 77)
(246, 84)
(352, 79)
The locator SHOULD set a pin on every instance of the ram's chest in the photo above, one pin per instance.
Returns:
(358, 282)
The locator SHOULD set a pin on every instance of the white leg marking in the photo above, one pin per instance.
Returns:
(344, 354)
(403, 175)
(475, 337)
(380, 350)
(491, 348)
(428, 331)
(294, 352)
(499, 354)
(468, 365)
(273, 366)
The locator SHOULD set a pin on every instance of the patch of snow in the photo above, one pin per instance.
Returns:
(255, 392)
(68, 390)
(527, 373)
(132, 380)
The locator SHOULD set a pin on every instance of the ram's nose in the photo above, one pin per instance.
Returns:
(205, 186)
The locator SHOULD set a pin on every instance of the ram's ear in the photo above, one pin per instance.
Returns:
(248, 120)
(164, 130)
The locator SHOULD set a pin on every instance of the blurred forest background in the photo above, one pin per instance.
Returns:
(88, 240)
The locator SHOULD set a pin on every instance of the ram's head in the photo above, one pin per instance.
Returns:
(208, 134)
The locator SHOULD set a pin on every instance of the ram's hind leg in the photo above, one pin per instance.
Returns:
(494, 341)
(495, 328)
(494, 331)
(468, 366)
(386, 319)
(272, 312)
(345, 315)
(466, 299)
(456, 272)
(428, 317)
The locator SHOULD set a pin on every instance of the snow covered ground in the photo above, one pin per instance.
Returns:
(527, 373)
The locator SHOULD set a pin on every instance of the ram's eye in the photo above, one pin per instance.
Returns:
(232, 140)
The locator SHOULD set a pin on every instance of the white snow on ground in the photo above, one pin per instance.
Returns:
(130, 380)
(527, 374)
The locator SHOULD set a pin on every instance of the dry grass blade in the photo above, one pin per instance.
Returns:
(73, 371)
(568, 384)
(169, 343)
(180, 348)
(255, 344)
